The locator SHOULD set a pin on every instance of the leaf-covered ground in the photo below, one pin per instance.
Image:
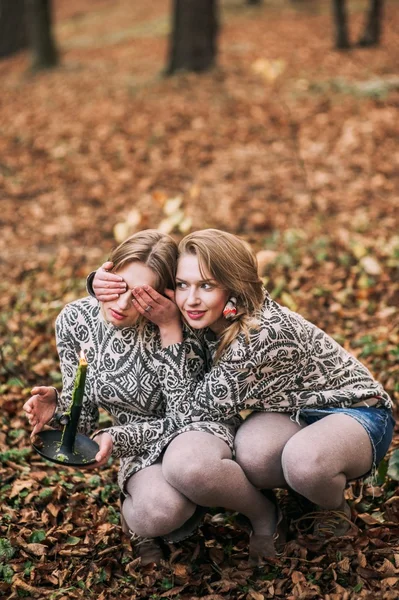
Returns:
(287, 143)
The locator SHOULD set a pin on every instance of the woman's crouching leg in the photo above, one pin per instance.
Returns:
(195, 464)
(200, 466)
(259, 444)
(152, 506)
(320, 459)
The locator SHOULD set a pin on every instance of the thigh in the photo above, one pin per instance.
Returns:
(337, 443)
(195, 447)
(264, 434)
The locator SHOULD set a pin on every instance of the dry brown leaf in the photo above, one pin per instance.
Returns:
(297, 577)
(387, 569)
(37, 549)
(19, 485)
(252, 595)
(173, 592)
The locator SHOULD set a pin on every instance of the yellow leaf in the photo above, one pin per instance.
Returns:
(359, 251)
(172, 205)
(269, 69)
(288, 301)
(185, 225)
(166, 226)
(121, 231)
(134, 218)
(371, 265)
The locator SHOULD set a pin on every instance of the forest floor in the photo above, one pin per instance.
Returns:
(288, 143)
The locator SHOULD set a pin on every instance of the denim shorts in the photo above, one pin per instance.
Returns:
(378, 422)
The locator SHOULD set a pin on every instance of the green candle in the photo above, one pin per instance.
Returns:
(75, 408)
(80, 380)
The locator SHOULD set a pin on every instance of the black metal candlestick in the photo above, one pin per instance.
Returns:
(67, 447)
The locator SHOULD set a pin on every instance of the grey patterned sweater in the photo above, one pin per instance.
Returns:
(123, 379)
(286, 364)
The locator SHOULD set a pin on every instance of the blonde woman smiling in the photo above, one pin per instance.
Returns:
(320, 418)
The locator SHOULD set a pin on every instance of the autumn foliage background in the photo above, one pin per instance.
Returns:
(287, 143)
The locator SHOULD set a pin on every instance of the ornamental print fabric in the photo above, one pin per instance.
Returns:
(285, 364)
(122, 379)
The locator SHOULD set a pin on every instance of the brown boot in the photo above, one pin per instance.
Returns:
(333, 523)
(188, 528)
(148, 550)
(324, 523)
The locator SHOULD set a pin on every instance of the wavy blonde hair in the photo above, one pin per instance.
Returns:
(232, 263)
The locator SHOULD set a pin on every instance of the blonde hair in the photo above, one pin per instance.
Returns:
(232, 263)
(156, 250)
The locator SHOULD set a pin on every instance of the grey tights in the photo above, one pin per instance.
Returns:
(196, 468)
(271, 451)
(315, 460)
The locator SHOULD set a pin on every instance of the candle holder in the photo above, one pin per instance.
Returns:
(67, 447)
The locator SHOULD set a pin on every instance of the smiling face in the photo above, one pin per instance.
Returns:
(199, 297)
(121, 312)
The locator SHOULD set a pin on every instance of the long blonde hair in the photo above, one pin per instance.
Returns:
(231, 262)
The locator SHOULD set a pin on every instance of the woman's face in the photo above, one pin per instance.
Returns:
(121, 312)
(200, 298)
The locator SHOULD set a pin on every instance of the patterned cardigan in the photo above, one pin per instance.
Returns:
(123, 379)
(285, 364)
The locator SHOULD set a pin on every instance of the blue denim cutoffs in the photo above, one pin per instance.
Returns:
(378, 422)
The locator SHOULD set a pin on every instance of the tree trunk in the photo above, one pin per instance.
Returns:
(44, 52)
(12, 27)
(193, 42)
(341, 24)
(372, 31)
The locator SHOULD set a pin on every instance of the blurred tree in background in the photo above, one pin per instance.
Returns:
(193, 41)
(12, 27)
(39, 25)
(28, 22)
(372, 31)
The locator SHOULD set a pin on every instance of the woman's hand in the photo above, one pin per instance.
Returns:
(104, 440)
(40, 407)
(107, 286)
(155, 307)
(160, 310)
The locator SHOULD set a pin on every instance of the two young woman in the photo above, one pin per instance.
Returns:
(120, 347)
(319, 417)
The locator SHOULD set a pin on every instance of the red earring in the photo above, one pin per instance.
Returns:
(230, 310)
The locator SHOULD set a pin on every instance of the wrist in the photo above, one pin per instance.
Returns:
(57, 394)
(171, 334)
